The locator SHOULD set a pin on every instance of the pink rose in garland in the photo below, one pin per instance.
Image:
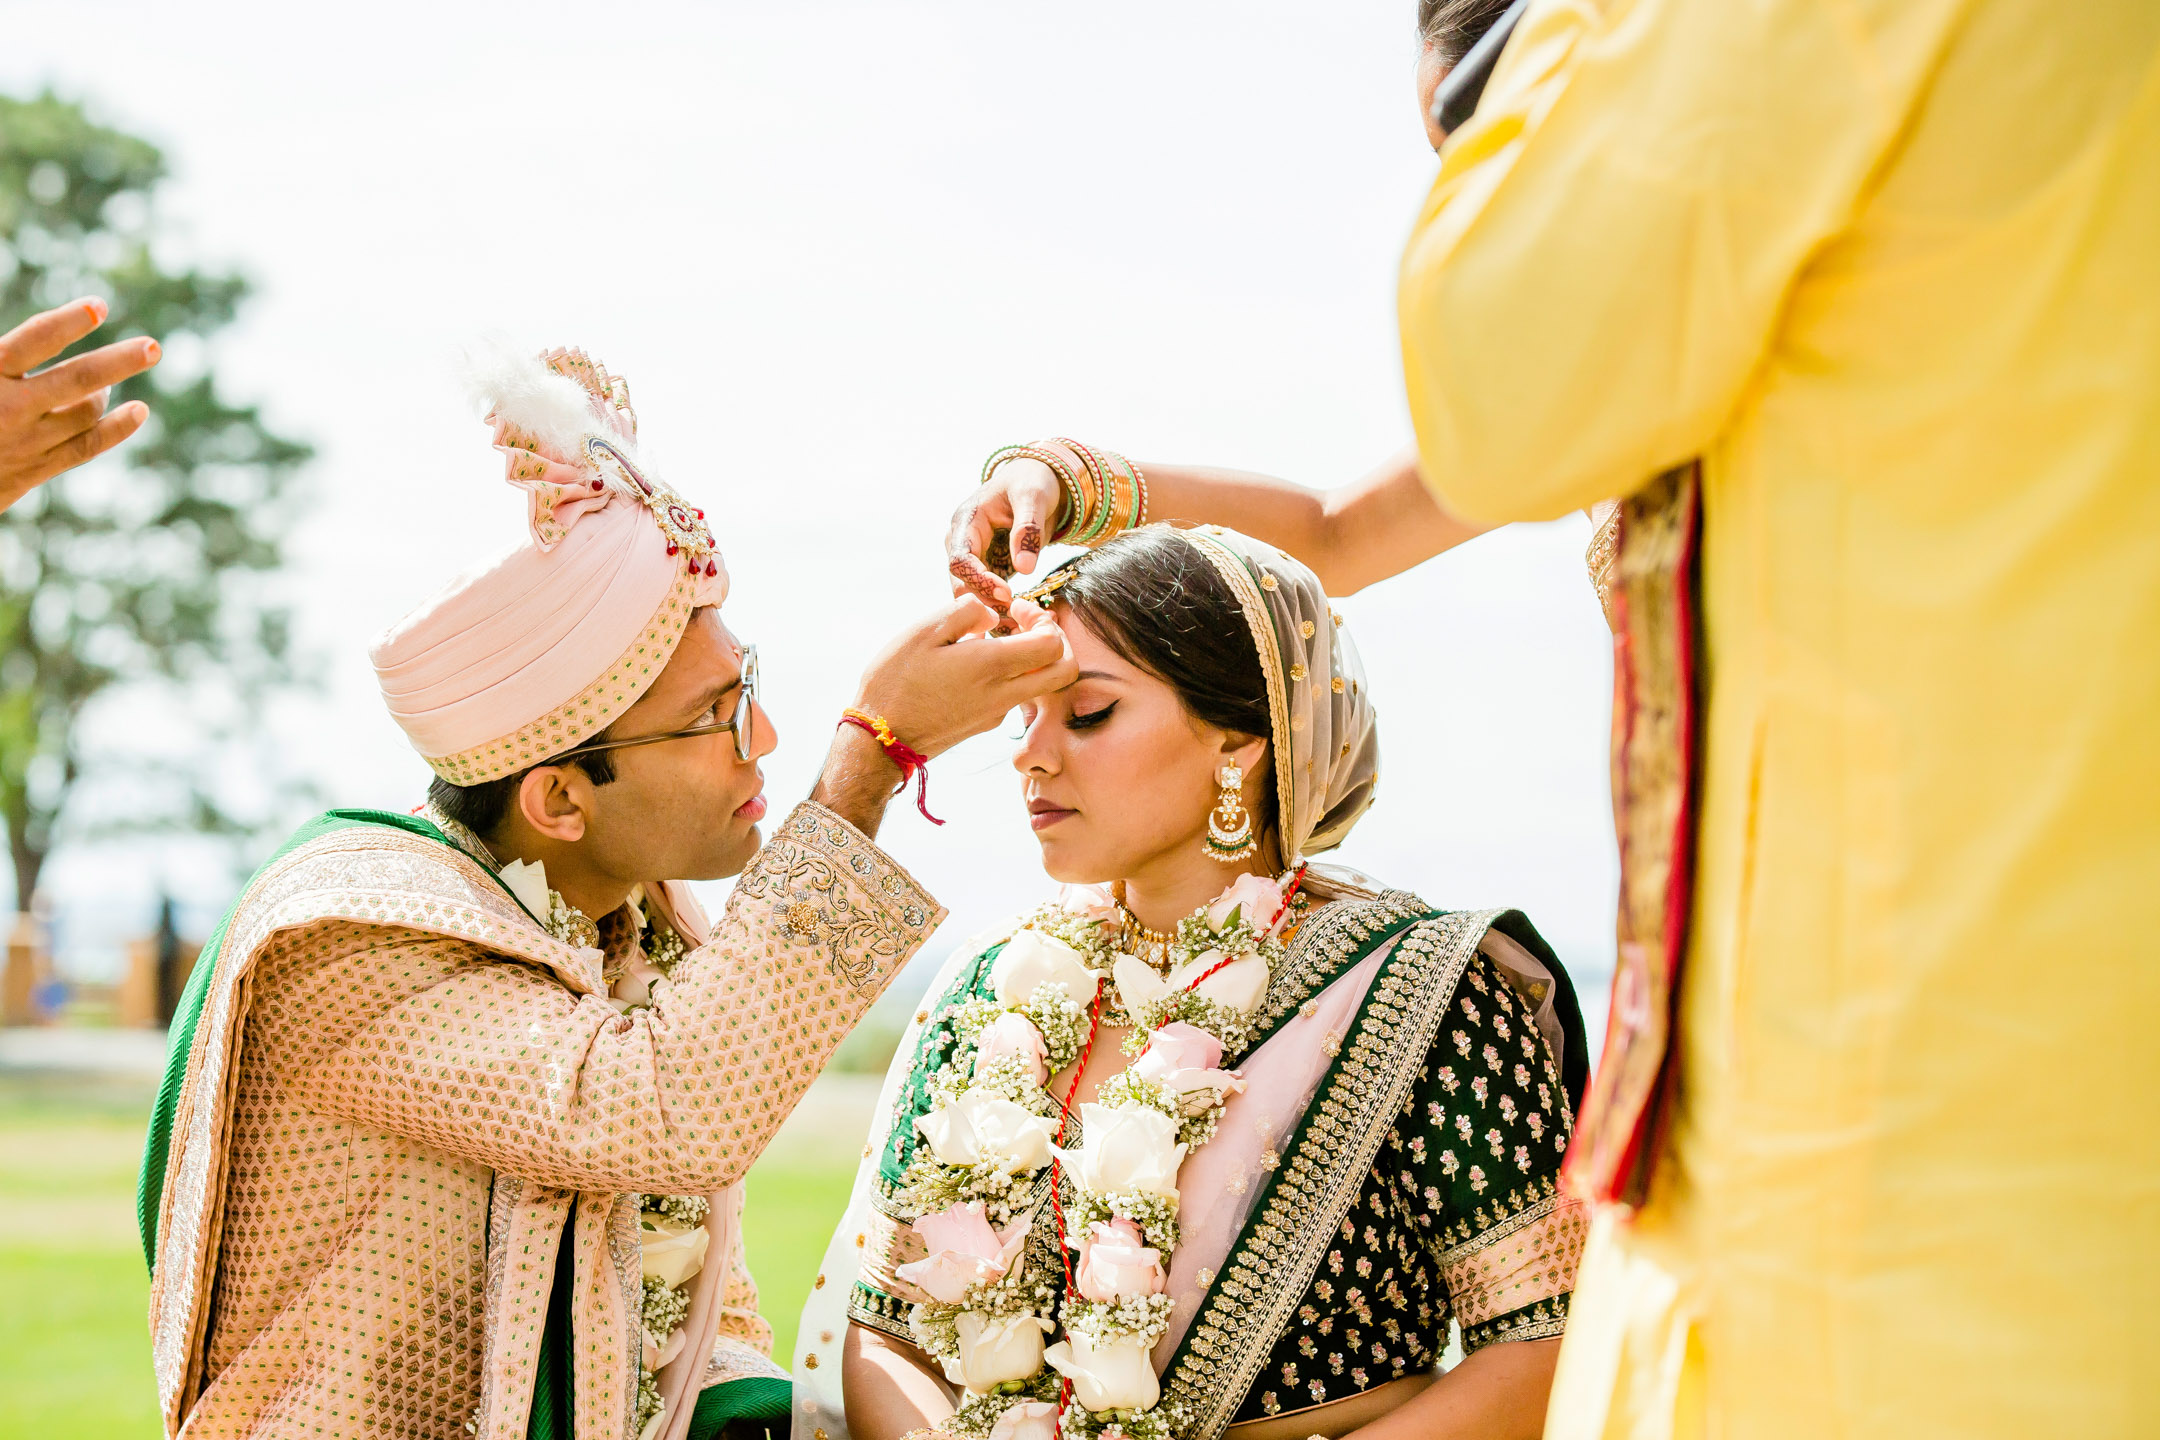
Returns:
(1184, 1057)
(1012, 1036)
(1115, 1265)
(964, 1251)
(1089, 902)
(1252, 899)
(1028, 1420)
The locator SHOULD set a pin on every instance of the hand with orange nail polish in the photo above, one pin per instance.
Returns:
(54, 419)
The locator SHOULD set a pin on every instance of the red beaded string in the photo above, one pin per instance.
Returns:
(914, 765)
(1072, 1091)
(1057, 1171)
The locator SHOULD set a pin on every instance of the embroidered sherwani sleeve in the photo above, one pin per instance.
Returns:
(503, 1064)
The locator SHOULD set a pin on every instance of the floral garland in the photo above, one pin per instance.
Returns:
(992, 1128)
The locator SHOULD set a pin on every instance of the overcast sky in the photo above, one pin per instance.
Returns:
(841, 251)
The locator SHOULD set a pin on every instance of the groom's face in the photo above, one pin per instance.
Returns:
(686, 808)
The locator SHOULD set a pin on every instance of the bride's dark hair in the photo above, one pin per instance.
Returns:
(1152, 597)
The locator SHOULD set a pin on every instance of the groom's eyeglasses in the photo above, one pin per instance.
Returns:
(739, 722)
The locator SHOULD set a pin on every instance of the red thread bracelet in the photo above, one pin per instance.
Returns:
(914, 765)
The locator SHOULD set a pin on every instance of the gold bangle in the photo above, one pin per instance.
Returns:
(1106, 507)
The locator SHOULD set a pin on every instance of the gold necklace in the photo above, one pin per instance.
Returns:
(1150, 947)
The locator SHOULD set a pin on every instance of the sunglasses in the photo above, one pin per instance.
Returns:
(739, 722)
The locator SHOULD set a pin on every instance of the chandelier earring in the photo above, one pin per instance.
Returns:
(1229, 826)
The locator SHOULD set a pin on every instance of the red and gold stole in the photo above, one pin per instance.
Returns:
(1651, 594)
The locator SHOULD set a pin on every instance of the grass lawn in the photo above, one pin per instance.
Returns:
(74, 1346)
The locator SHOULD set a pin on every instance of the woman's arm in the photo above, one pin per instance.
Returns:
(1351, 536)
(891, 1387)
(1498, 1392)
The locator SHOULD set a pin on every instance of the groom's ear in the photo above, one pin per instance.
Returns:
(552, 799)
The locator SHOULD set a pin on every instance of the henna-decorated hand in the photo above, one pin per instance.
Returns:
(1001, 528)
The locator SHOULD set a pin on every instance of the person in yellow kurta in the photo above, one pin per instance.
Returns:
(1891, 274)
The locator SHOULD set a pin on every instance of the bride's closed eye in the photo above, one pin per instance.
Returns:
(1090, 720)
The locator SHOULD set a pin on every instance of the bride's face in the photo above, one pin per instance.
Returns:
(1119, 778)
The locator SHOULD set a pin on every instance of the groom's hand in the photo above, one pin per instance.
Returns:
(944, 679)
(939, 682)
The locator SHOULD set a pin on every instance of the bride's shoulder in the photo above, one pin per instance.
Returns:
(1350, 903)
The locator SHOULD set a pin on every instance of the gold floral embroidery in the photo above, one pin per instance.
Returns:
(1528, 1257)
(1281, 1248)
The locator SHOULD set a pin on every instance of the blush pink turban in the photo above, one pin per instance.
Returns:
(541, 648)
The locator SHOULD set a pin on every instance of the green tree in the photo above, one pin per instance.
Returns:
(139, 578)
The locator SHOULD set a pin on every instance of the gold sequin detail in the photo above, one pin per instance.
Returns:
(1338, 686)
(1297, 672)
(1305, 629)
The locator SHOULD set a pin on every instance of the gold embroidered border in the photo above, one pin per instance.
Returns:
(588, 712)
(1328, 939)
(1528, 1257)
(887, 1245)
(733, 1360)
(1274, 1260)
(1260, 620)
(804, 873)
(373, 876)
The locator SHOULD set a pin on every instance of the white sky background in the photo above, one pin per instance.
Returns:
(842, 251)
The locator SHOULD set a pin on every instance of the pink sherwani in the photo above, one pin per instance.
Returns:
(401, 1089)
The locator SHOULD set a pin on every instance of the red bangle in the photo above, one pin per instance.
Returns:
(914, 765)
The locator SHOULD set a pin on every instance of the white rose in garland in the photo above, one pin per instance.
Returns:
(1031, 959)
(996, 1349)
(1117, 1375)
(993, 1123)
(981, 1129)
(1240, 985)
(1127, 1150)
(673, 1257)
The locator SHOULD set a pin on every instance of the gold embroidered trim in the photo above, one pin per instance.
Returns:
(1325, 943)
(734, 1360)
(1261, 622)
(803, 874)
(1528, 1257)
(1275, 1258)
(371, 876)
(588, 712)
